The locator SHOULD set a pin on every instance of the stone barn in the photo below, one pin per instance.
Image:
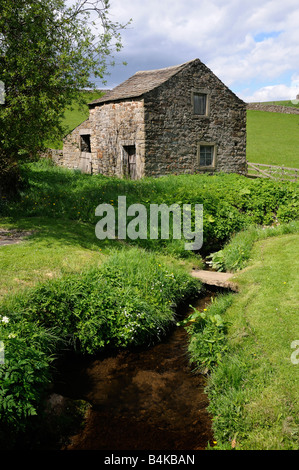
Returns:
(179, 119)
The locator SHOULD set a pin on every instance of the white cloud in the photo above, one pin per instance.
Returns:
(273, 93)
(249, 43)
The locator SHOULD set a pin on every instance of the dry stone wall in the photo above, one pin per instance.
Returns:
(55, 155)
(272, 108)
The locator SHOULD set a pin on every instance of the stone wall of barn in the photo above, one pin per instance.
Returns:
(111, 127)
(174, 133)
(116, 126)
(72, 157)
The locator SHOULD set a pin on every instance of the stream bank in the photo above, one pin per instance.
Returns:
(146, 399)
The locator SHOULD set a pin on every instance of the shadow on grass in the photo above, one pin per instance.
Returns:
(60, 232)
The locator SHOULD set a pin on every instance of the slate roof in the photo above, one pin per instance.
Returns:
(140, 83)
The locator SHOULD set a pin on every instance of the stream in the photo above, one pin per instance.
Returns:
(146, 399)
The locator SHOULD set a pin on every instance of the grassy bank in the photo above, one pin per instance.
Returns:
(237, 251)
(253, 387)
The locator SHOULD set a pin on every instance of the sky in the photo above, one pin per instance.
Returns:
(251, 45)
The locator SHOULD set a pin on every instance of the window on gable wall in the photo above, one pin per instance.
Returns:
(200, 102)
(206, 155)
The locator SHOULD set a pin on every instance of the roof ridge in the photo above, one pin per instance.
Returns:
(164, 68)
(133, 87)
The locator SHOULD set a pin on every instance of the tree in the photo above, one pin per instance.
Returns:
(48, 53)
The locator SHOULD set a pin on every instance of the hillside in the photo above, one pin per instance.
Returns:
(75, 114)
(273, 138)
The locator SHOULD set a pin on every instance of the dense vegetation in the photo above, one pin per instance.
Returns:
(231, 202)
(113, 293)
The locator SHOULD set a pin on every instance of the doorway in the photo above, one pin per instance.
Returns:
(129, 161)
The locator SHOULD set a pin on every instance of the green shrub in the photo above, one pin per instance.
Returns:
(132, 290)
(25, 372)
(231, 202)
(207, 332)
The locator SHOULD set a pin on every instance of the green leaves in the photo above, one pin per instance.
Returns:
(26, 369)
(207, 331)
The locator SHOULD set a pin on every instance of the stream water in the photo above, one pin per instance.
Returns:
(147, 399)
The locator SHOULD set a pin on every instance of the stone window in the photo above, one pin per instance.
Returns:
(206, 155)
(200, 103)
(85, 143)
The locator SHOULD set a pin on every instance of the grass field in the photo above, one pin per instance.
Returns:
(273, 138)
(55, 248)
(254, 391)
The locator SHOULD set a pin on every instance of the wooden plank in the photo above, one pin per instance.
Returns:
(273, 166)
(261, 171)
(276, 172)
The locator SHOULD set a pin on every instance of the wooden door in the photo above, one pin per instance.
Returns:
(85, 163)
(129, 161)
